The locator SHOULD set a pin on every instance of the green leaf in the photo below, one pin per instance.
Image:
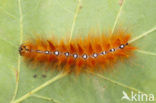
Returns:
(27, 18)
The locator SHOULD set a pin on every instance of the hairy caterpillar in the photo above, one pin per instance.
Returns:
(90, 53)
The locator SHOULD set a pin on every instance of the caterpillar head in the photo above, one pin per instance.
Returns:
(24, 49)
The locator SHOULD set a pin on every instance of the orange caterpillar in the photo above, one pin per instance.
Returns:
(91, 53)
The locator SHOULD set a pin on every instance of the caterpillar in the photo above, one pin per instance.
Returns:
(91, 53)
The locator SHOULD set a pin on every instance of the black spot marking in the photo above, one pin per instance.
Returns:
(35, 76)
(44, 76)
(26, 48)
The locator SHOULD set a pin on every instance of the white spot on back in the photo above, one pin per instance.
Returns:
(75, 56)
(95, 55)
(84, 56)
(56, 52)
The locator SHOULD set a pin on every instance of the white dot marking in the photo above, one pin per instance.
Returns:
(75, 55)
(95, 55)
(56, 52)
(84, 56)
